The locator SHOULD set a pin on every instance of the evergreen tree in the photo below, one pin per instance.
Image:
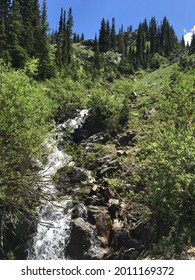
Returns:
(168, 38)
(140, 46)
(53, 37)
(28, 16)
(4, 19)
(64, 39)
(183, 42)
(103, 37)
(152, 35)
(75, 37)
(82, 37)
(69, 35)
(113, 35)
(18, 54)
(4, 12)
(158, 40)
(192, 46)
(61, 41)
(108, 35)
(78, 38)
(45, 67)
(36, 23)
(145, 29)
(121, 43)
(4, 52)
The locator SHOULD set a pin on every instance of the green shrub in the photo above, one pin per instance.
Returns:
(23, 114)
(167, 154)
(108, 111)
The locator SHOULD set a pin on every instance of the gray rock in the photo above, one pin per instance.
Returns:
(100, 217)
(80, 239)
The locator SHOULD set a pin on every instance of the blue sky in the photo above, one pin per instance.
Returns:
(88, 13)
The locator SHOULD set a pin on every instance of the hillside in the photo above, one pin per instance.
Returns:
(97, 141)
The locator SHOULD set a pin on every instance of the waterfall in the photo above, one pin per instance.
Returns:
(53, 230)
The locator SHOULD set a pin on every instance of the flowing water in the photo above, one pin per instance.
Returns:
(53, 229)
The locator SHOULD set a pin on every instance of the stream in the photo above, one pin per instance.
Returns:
(53, 230)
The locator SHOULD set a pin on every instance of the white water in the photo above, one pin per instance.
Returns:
(53, 230)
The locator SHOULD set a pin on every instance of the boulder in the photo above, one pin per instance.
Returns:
(100, 217)
(81, 239)
(69, 175)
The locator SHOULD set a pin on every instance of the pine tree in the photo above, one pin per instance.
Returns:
(113, 35)
(60, 39)
(140, 46)
(183, 42)
(27, 13)
(45, 67)
(121, 43)
(168, 38)
(53, 37)
(152, 35)
(145, 29)
(82, 37)
(192, 46)
(108, 35)
(4, 12)
(75, 38)
(4, 19)
(18, 54)
(4, 52)
(69, 35)
(36, 29)
(103, 37)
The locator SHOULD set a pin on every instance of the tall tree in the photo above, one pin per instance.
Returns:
(36, 23)
(18, 54)
(4, 11)
(145, 29)
(192, 46)
(108, 35)
(152, 35)
(82, 37)
(4, 19)
(168, 37)
(60, 39)
(45, 65)
(69, 35)
(4, 52)
(183, 42)
(113, 35)
(140, 46)
(121, 43)
(103, 37)
(27, 13)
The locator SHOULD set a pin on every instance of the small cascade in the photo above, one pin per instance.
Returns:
(53, 230)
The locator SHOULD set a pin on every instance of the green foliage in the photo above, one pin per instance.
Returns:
(81, 156)
(66, 95)
(125, 67)
(167, 158)
(108, 111)
(24, 110)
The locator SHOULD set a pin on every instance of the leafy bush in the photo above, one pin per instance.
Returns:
(167, 159)
(23, 114)
(108, 111)
(67, 96)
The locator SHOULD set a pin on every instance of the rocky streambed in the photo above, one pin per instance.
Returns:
(87, 217)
